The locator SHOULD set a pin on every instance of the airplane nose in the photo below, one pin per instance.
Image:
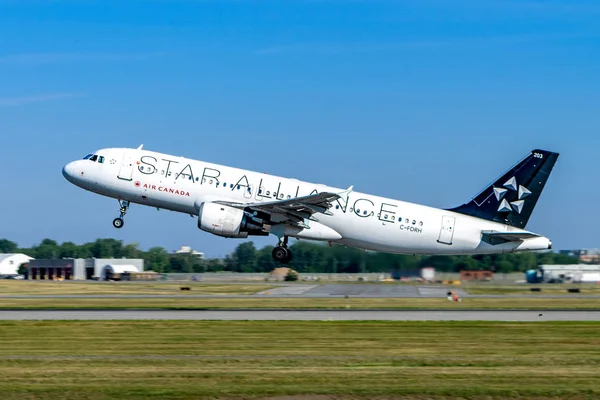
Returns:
(68, 171)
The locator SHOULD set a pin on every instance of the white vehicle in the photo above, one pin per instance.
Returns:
(237, 203)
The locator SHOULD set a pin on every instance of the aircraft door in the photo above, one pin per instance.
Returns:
(126, 171)
(447, 230)
(258, 194)
(248, 191)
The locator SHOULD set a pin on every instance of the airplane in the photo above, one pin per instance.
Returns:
(236, 203)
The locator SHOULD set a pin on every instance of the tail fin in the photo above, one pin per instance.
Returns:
(512, 198)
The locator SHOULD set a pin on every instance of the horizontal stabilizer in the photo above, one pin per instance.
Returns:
(494, 237)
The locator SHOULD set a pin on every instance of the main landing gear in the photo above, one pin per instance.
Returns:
(281, 253)
(118, 222)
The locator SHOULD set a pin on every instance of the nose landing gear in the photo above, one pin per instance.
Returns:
(118, 222)
(281, 253)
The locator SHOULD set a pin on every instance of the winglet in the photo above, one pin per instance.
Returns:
(347, 191)
(141, 145)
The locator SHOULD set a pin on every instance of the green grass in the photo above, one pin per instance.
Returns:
(307, 303)
(338, 360)
(526, 289)
(26, 287)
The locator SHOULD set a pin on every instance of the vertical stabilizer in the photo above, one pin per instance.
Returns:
(512, 198)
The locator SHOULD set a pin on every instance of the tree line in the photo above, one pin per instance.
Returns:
(309, 257)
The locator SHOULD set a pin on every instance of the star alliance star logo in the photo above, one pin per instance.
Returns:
(517, 205)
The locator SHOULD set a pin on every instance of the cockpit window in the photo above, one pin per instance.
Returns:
(94, 158)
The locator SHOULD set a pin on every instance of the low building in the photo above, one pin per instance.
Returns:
(584, 255)
(189, 250)
(10, 263)
(416, 274)
(77, 268)
(112, 272)
(466, 275)
(569, 273)
(141, 276)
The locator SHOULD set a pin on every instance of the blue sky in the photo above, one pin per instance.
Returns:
(423, 100)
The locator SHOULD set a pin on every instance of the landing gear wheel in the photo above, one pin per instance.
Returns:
(118, 222)
(123, 206)
(289, 257)
(279, 253)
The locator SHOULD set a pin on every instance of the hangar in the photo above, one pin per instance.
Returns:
(77, 268)
(10, 263)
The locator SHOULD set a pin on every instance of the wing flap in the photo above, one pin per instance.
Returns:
(296, 208)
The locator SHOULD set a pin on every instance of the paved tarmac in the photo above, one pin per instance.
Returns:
(372, 290)
(308, 315)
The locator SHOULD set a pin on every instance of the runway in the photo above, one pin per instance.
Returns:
(296, 315)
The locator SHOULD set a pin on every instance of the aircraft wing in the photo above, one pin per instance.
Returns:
(296, 209)
(509, 236)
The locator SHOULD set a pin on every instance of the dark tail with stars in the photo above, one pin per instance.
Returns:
(511, 199)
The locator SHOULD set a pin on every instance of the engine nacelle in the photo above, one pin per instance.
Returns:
(227, 221)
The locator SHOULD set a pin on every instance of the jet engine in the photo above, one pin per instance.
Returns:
(228, 221)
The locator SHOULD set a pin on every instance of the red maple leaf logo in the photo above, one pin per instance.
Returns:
(137, 183)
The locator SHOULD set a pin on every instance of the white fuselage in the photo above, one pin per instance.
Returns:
(358, 220)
